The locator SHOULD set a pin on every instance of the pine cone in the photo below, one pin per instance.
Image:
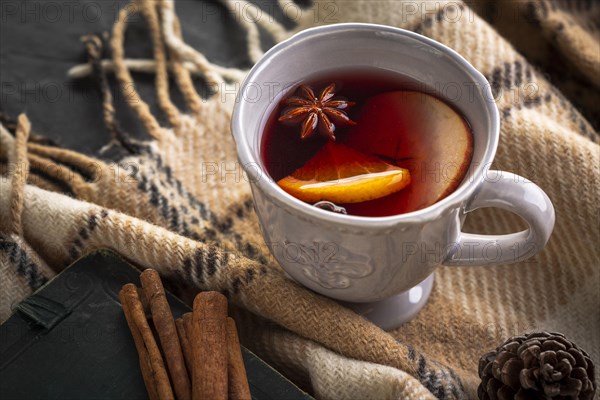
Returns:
(538, 366)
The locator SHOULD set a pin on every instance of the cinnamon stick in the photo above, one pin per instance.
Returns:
(189, 326)
(238, 381)
(187, 323)
(209, 347)
(167, 332)
(145, 366)
(147, 375)
(185, 344)
(151, 362)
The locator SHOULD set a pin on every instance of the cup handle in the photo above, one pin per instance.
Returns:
(513, 193)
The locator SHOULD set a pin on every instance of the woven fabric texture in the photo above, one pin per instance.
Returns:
(158, 207)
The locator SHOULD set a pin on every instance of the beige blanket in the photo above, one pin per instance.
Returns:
(156, 208)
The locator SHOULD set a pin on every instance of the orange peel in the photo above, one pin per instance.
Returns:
(340, 174)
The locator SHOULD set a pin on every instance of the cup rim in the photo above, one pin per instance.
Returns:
(271, 189)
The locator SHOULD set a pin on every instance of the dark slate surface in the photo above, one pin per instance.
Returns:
(40, 41)
(70, 340)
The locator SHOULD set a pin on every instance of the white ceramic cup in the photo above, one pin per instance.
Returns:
(386, 263)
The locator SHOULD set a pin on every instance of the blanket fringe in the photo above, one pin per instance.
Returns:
(18, 170)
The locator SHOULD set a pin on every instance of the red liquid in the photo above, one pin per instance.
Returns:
(283, 151)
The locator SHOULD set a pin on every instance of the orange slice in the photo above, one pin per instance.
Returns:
(341, 174)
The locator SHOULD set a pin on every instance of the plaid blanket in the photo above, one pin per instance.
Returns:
(154, 201)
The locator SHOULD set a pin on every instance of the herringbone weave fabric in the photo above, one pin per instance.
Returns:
(165, 204)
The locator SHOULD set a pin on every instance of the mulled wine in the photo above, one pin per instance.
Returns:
(370, 142)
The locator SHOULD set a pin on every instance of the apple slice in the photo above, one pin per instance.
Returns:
(421, 133)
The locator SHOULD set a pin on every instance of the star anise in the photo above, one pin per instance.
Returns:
(323, 112)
